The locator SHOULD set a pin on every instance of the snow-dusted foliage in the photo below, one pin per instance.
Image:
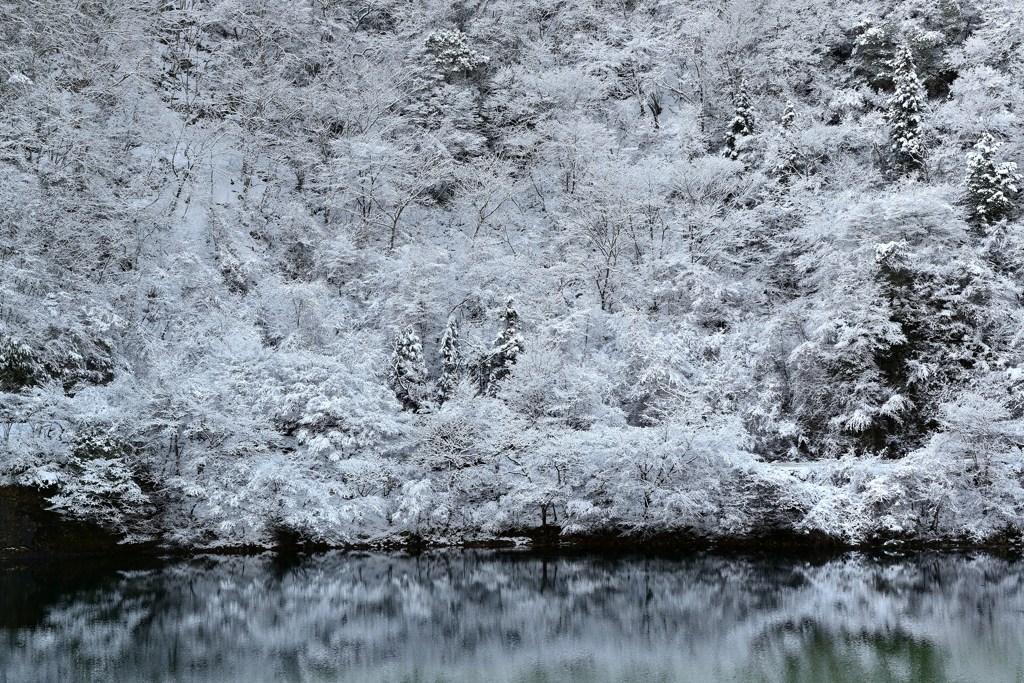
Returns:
(19, 366)
(257, 265)
(452, 54)
(104, 490)
(788, 116)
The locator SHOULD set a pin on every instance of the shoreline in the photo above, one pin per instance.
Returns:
(553, 543)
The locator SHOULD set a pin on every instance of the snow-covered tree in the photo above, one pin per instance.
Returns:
(19, 366)
(742, 124)
(906, 145)
(103, 490)
(99, 482)
(931, 29)
(992, 188)
(408, 371)
(504, 351)
(99, 441)
(451, 362)
(789, 160)
(788, 116)
(452, 54)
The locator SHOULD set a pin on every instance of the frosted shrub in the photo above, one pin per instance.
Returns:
(98, 485)
(421, 509)
(103, 490)
(659, 479)
(873, 45)
(455, 436)
(548, 390)
(95, 442)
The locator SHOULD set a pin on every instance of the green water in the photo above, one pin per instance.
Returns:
(506, 616)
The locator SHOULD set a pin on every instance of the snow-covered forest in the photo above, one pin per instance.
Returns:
(359, 271)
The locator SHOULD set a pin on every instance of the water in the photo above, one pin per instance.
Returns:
(492, 616)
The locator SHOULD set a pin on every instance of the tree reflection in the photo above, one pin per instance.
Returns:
(508, 616)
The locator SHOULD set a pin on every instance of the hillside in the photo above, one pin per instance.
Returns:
(354, 272)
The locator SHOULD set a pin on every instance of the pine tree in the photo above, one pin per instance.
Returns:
(451, 362)
(408, 370)
(991, 187)
(504, 351)
(742, 124)
(904, 115)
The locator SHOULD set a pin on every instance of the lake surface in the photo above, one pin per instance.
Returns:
(508, 616)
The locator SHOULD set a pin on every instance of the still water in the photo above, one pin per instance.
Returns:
(506, 616)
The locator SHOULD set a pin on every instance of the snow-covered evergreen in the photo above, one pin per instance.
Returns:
(451, 362)
(742, 124)
(905, 106)
(504, 351)
(992, 188)
(408, 372)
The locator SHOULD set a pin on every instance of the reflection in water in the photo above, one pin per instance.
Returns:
(484, 616)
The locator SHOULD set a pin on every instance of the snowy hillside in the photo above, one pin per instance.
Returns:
(356, 271)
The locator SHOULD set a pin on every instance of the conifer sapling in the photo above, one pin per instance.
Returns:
(789, 162)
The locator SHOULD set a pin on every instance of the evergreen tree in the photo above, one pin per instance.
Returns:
(19, 367)
(452, 54)
(904, 115)
(939, 307)
(504, 351)
(742, 124)
(991, 187)
(408, 370)
(451, 362)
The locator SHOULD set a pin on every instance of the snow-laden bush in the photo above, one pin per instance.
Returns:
(547, 388)
(103, 490)
(631, 480)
